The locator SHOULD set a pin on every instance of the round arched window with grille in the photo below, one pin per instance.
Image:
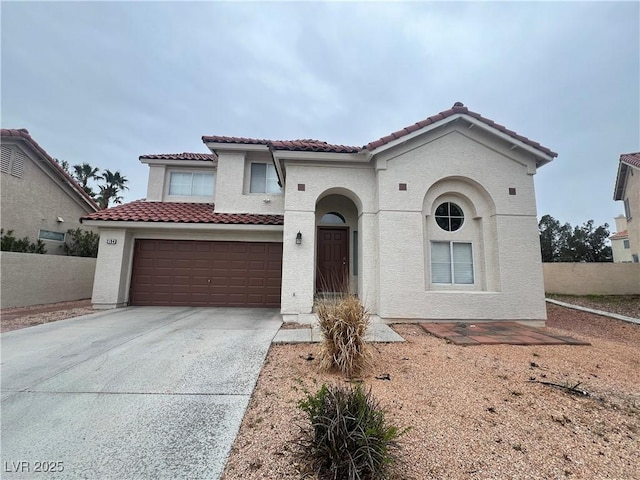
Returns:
(449, 216)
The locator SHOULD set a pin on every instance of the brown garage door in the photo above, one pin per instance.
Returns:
(199, 274)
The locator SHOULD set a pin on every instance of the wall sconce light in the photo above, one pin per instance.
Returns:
(60, 220)
(298, 238)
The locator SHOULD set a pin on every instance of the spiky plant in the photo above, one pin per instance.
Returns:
(343, 321)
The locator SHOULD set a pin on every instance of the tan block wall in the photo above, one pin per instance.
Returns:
(592, 278)
(32, 279)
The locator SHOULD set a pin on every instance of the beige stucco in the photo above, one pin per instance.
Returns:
(468, 166)
(631, 193)
(592, 278)
(396, 227)
(32, 279)
(115, 255)
(39, 199)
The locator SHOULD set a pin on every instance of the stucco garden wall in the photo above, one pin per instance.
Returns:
(32, 279)
(592, 278)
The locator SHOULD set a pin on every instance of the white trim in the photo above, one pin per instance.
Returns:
(237, 147)
(508, 138)
(320, 156)
(180, 163)
(181, 226)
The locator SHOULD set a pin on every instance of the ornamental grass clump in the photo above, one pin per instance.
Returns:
(349, 436)
(343, 321)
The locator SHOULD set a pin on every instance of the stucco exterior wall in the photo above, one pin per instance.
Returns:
(34, 202)
(396, 227)
(115, 260)
(592, 278)
(32, 279)
(475, 172)
(632, 192)
(232, 186)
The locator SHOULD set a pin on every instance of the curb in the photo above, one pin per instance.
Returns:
(597, 312)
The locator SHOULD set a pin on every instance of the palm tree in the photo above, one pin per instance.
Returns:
(83, 173)
(114, 184)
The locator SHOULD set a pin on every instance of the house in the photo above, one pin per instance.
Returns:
(620, 245)
(435, 221)
(627, 190)
(39, 199)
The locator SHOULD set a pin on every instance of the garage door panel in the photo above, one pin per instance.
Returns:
(198, 273)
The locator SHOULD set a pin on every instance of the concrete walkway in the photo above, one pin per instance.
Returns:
(141, 392)
(377, 332)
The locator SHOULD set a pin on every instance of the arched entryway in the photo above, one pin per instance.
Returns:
(337, 242)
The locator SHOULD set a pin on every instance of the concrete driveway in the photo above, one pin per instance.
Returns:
(141, 392)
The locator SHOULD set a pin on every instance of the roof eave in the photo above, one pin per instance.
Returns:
(180, 225)
(542, 157)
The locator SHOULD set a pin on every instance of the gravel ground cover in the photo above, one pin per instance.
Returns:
(474, 412)
(628, 305)
(21, 317)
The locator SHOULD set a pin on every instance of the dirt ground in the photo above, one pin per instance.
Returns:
(21, 317)
(473, 412)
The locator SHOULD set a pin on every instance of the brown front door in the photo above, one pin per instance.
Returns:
(332, 273)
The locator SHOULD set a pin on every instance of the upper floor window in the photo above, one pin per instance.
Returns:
(449, 216)
(627, 209)
(264, 178)
(189, 184)
(15, 165)
(626, 244)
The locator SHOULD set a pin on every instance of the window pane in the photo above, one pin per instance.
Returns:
(462, 263)
(626, 244)
(440, 262)
(272, 180)
(49, 235)
(202, 184)
(449, 216)
(258, 178)
(332, 218)
(355, 253)
(180, 184)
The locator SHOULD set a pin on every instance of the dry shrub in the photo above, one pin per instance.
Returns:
(344, 321)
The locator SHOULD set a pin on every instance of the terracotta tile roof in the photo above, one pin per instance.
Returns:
(141, 211)
(457, 108)
(619, 235)
(302, 145)
(310, 145)
(631, 159)
(180, 156)
(23, 133)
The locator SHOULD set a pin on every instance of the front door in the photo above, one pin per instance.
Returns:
(332, 272)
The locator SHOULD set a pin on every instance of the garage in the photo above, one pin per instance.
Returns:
(206, 273)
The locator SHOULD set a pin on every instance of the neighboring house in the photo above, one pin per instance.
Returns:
(435, 221)
(627, 190)
(39, 199)
(620, 245)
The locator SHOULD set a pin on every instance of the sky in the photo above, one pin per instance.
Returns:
(106, 82)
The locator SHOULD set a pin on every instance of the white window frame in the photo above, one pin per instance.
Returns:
(270, 185)
(452, 263)
(191, 183)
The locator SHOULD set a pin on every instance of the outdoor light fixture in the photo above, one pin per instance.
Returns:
(298, 238)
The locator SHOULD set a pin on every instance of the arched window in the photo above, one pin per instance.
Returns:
(332, 218)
